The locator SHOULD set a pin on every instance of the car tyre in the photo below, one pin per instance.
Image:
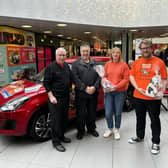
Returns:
(39, 128)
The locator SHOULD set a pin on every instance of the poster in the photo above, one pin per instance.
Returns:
(30, 39)
(11, 36)
(14, 56)
(21, 71)
(28, 55)
(3, 66)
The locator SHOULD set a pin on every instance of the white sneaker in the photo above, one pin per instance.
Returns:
(155, 149)
(116, 134)
(107, 133)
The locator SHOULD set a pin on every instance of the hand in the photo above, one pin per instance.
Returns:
(53, 99)
(159, 96)
(140, 90)
(113, 88)
(87, 90)
(90, 90)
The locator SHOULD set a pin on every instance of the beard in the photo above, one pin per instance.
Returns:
(147, 55)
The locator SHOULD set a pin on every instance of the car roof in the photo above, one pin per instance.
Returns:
(97, 58)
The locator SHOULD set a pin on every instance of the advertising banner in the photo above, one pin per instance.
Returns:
(3, 66)
(30, 39)
(14, 56)
(11, 36)
(21, 71)
(28, 55)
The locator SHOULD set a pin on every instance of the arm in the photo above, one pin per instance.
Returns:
(133, 82)
(164, 84)
(47, 85)
(125, 79)
(96, 84)
(92, 89)
(47, 79)
(52, 98)
(78, 83)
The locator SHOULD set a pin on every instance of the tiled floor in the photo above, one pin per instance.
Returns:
(20, 152)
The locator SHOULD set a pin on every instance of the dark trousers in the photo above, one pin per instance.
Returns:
(86, 113)
(153, 108)
(58, 118)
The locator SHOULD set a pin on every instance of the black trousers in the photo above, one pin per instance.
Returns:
(153, 108)
(58, 118)
(86, 113)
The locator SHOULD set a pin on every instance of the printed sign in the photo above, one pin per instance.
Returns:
(14, 56)
(12, 89)
(28, 55)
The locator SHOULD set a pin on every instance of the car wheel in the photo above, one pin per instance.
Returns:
(39, 128)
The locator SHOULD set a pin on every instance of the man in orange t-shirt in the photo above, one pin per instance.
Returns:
(149, 78)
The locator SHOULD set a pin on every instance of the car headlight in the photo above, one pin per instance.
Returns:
(14, 104)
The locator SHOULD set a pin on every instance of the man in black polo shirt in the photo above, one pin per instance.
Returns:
(57, 82)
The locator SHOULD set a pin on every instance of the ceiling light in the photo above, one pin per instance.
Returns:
(87, 32)
(26, 26)
(133, 30)
(75, 39)
(61, 25)
(165, 34)
(117, 42)
(60, 35)
(51, 41)
(42, 40)
(47, 32)
(68, 38)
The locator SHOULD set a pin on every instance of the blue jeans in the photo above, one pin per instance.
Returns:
(113, 106)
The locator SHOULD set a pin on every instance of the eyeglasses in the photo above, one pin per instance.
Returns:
(146, 48)
(61, 55)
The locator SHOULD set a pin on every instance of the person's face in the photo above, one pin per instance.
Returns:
(157, 53)
(146, 51)
(61, 56)
(116, 54)
(85, 53)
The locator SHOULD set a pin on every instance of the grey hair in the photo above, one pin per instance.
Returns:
(85, 45)
(60, 49)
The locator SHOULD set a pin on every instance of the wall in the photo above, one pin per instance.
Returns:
(17, 54)
(122, 13)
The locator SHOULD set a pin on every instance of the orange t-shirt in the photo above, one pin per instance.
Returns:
(143, 70)
(118, 74)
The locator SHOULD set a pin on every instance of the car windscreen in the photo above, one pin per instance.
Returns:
(38, 78)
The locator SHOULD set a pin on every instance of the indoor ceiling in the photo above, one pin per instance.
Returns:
(76, 31)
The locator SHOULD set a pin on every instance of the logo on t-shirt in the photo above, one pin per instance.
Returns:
(146, 69)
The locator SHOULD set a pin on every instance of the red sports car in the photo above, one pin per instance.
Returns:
(23, 106)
